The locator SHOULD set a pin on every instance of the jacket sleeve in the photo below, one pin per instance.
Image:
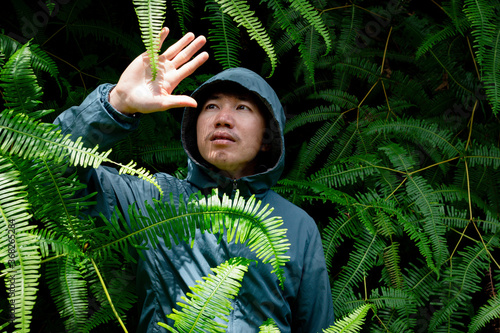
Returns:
(314, 299)
(98, 123)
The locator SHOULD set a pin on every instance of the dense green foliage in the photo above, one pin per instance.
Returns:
(392, 146)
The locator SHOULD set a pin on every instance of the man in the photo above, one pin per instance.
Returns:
(234, 141)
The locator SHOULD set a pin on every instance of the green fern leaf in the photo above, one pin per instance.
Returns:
(225, 36)
(463, 279)
(29, 139)
(240, 11)
(210, 299)
(296, 33)
(307, 11)
(68, 289)
(18, 254)
(269, 326)
(151, 15)
(448, 32)
(351, 323)
(366, 248)
(168, 153)
(243, 221)
(21, 90)
(183, 9)
(426, 202)
(491, 70)
(482, 15)
(486, 314)
(120, 285)
(142, 173)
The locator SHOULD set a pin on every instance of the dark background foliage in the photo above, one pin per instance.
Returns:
(93, 41)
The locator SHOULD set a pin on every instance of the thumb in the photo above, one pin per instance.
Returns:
(178, 101)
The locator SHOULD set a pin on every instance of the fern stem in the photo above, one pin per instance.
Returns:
(385, 52)
(470, 125)
(449, 73)
(367, 94)
(53, 258)
(473, 59)
(401, 184)
(107, 296)
(433, 165)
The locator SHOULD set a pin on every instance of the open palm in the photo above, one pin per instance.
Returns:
(136, 90)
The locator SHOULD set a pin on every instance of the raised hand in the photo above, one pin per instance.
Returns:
(137, 92)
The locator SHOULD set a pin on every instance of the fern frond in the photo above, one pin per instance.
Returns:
(332, 235)
(240, 11)
(482, 15)
(351, 323)
(426, 203)
(463, 279)
(481, 155)
(348, 41)
(21, 90)
(210, 299)
(366, 248)
(151, 15)
(41, 60)
(320, 113)
(120, 285)
(419, 131)
(183, 9)
(326, 134)
(106, 32)
(269, 326)
(52, 193)
(142, 173)
(18, 253)
(295, 34)
(448, 32)
(308, 12)
(50, 242)
(29, 139)
(170, 152)
(491, 70)
(347, 171)
(68, 289)
(485, 314)
(392, 259)
(242, 220)
(225, 36)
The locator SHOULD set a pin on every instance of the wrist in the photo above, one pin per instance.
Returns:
(116, 102)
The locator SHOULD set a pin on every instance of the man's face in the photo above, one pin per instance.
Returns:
(229, 131)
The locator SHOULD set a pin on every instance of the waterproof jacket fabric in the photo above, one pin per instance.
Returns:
(164, 276)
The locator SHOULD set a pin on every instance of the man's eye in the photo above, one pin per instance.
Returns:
(210, 106)
(243, 107)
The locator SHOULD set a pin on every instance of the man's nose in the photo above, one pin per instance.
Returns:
(224, 118)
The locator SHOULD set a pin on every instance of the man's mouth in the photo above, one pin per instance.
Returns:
(222, 137)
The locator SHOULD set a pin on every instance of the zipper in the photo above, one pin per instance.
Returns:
(235, 187)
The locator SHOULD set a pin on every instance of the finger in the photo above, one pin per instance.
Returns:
(191, 66)
(178, 101)
(187, 53)
(163, 35)
(177, 47)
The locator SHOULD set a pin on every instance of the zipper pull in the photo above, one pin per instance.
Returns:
(235, 185)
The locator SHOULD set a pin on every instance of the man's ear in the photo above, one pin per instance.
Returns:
(265, 147)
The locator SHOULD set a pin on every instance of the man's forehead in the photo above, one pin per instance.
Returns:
(243, 95)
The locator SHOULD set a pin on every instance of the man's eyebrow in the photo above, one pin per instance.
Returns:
(243, 97)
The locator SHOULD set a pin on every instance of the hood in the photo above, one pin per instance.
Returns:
(200, 172)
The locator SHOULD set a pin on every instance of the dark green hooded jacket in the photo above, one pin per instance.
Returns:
(305, 303)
